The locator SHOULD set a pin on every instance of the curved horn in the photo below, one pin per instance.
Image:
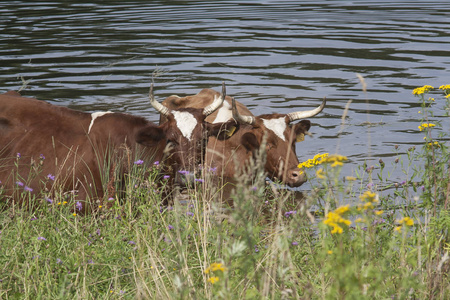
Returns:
(217, 102)
(156, 105)
(307, 113)
(241, 119)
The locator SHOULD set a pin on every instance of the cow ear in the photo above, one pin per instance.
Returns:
(249, 141)
(150, 136)
(222, 131)
(300, 129)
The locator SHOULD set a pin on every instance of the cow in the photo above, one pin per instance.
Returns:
(280, 130)
(41, 144)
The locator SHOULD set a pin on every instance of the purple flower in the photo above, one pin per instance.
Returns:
(78, 205)
(156, 163)
(213, 170)
(294, 243)
(170, 227)
(166, 176)
(191, 214)
(122, 292)
(254, 188)
(42, 156)
(58, 261)
(41, 238)
(288, 213)
(256, 249)
(28, 189)
(19, 183)
(19, 155)
(184, 172)
(132, 243)
(423, 188)
(370, 185)
(49, 200)
(51, 177)
(33, 218)
(403, 182)
(90, 261)
(139, 162)
(199, 180)
(98, 232)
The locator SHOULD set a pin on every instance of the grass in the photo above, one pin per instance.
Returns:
(369, 238)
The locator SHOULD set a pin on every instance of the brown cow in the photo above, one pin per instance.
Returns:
(282, 134)
(76, 149)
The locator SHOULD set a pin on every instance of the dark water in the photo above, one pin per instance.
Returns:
(275, 56)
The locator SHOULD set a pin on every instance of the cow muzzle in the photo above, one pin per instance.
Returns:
(294, 177)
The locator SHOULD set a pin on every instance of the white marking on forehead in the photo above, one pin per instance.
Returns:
(186, 122)
(95, 116)
(224, 113)
(278, 126)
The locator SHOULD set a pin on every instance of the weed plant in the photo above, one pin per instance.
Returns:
(368, 238)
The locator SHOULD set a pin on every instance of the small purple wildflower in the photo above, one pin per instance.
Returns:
(288, 213)
(267, 202)
(166, 176)
(28, 189)
(98, 232)
(132, 242)
(41, 238)
(19, 155)
(254, 188)
(51, 177)
(119, 218)
(423, 188)
(42, 156)
(370, 185)
(256, 249)
(403, 183)
(58, 261)
(294, 243)
(19, 183)
(184, 172)
(122, 292)
(90, 261)
(156, 163)
(33, 218)
(213, 170)
(139, 162)
(89, 243)
(170, 227)
(49, 200)
(369, 169)
(191, 214)
(110, 199)
(79, 206)
(199, 180)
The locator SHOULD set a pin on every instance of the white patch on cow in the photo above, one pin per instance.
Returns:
(224, 113)
(278, 126)
(95, 116)
(186, 122)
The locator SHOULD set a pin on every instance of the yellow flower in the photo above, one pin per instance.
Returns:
(320, 174)
(74, 214)
(213, 279)
(316, 160)
(425, 125)
(59, 203)
(422, 90)
(435, 144)
(330, 252)
(398, 228)
(65, 202)
(350, 178)
(335, 160)
(407, 221)
(215, 267)
(368, 196)
(378, 212)
(334, 218)
(445, 87)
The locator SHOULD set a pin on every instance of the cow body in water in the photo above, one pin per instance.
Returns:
(43, 146)
(282, 135)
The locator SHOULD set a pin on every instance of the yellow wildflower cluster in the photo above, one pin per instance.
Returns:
(369, 198)
(213, 279)
(405, 221)
(334, 219)
(446, 89)
(426, 125)
(434, 144)
(316, 160)
(215, 267)
(422, 90)
(335, 160)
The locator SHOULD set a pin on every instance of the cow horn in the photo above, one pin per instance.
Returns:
(241, 119)
(307, 113)
(217, 102)
(158, 106)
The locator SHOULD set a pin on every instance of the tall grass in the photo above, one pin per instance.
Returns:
(367, 238)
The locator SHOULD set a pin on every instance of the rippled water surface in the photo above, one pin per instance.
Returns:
(275, 56)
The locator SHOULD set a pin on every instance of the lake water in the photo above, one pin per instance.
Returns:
(274, 56)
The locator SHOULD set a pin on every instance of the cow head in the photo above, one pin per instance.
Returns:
(282, 135)
(185, 135)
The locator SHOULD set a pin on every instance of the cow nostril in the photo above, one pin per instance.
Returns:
(294, 174)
